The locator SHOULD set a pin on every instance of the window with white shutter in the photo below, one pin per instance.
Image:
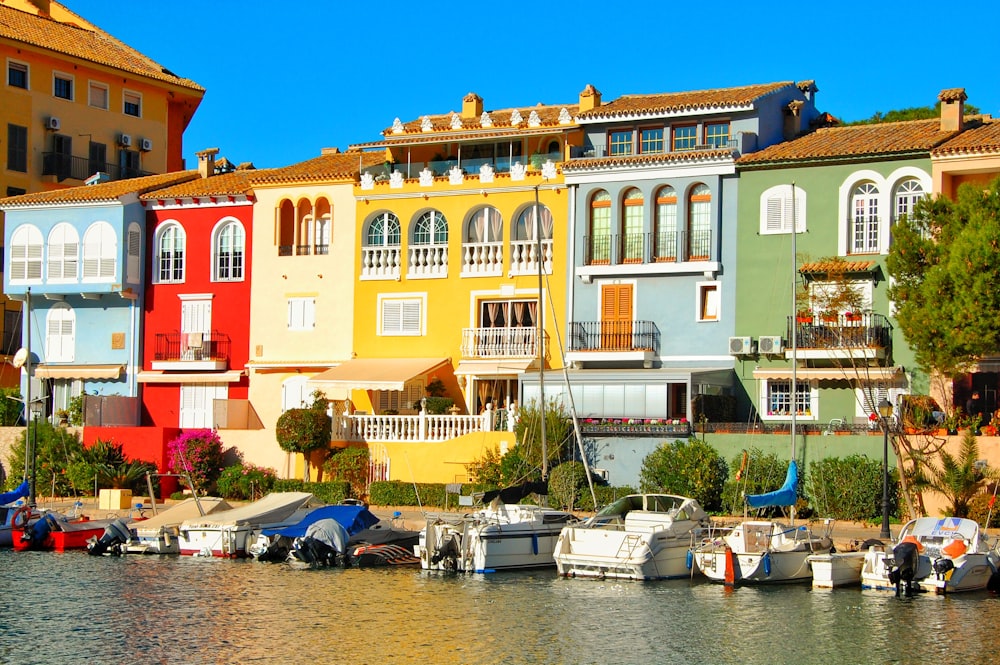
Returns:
(100, 253)
(60, 334)
(26, 254)
(64, 251)
(302, 313)
(132, 274)
(295, 393)
(780, 207)
(402, 317)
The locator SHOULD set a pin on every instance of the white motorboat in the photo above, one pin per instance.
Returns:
(230, 532)
(761, 552)
(639, 537)
(504, 536)
(160, 534)
(836, 569)
(944, 555)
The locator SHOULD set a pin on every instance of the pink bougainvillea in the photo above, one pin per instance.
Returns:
(199, 453)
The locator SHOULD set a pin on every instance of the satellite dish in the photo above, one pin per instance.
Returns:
(20, 357)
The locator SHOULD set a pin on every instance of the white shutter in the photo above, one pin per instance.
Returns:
(34, 261)
(392, 317)
(410, 317)
(196, 316)
(134, 252)
(301, 313)
(775, 212)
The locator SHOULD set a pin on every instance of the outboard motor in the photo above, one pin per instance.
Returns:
(313, 552)
(276, 551)
(903, 566)
(942, 566)
(36, 535)
(115, 536)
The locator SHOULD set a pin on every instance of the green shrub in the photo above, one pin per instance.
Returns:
(245, 481)
(982, 507)
(11, 405)
(349, 465)
(437, 405)
(398, 493)
(56, 448)
(289, 485)
(849, 488)
(566, 483)
(761, 473)
(495, 471)
(329, 492)
(688, 468)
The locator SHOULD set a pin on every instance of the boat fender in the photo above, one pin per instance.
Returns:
(534, 544)
(730, 570)
(767, 563)
(20, 518)
(689, 560)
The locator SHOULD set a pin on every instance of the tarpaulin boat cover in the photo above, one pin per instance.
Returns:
(784, 496)
(19, 492)
(352, 518)
(174, 515)
(329, 532)
(272, 509)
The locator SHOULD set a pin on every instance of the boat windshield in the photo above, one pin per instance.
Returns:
(658, 503)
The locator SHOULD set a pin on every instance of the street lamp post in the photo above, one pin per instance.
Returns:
(885, 411)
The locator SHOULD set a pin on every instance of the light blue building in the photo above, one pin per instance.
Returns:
(74, 259)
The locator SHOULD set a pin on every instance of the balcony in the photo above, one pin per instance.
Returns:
(861, 336)
(68, 167)
(428, 260)
(482, 259)
(191, 351)
(647, 248)
(381, 262)
(516, 342)
(613, 341)
(422, 427)
(524, 257)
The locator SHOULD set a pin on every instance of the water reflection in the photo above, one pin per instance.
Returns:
(69, 607)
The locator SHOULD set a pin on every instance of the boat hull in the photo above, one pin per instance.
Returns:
(761, 553)
(836, 569)
(229, 542)
(972, 572)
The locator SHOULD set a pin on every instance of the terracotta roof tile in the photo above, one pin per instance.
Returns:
(548, 116)
(854, 141)
(979, 139)
(670, 102)
(836, 266)
(641, 160)
(334, 166)
(107, 191)
(233, 183)
(75, 41)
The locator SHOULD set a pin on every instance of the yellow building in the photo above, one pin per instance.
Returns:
(76, 101)
(460, 235)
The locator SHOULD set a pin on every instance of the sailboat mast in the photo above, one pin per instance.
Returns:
(541, 339)
(795, 336)
(29, 444)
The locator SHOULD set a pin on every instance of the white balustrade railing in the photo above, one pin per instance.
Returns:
(517, 342)
(380, 262)
(524, 257)
(482, 258)
(416, 428)
(428, 261)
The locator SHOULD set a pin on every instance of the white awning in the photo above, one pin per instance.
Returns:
(96, 372)
(502, 367)
(863, 374)
(190, 377)
(377, 373)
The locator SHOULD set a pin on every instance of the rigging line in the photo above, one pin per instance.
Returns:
(416, 491)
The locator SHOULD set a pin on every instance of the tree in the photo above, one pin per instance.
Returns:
(688, 468)
(558, 434)
(912, 113)
(305, 430)
(959, 479)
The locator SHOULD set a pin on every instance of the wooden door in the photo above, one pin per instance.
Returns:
(616, 317)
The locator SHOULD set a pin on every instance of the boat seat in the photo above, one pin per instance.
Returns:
(955, 548)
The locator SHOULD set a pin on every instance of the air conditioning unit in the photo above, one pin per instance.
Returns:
(769, 345)
(125, 140)
(146, 145)
(52, 123)
(740, 346)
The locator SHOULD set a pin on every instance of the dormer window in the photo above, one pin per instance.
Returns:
(651, 140)
(685, 137)
(620, 142)
(717, 134)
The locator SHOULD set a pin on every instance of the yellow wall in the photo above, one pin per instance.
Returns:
(442, 462)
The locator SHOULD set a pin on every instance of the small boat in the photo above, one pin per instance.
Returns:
(637, 537)
(160, 534)
(229, 533)
(336, 525)
(54, 532)
(14, 513)
(502, 536)
(383, 544)
(944, 555)
(839, 569)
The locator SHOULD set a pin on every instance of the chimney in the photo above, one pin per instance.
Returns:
(590, 98)
(206, 162)
(793, 119)
(42, 6)
(952, 109)
(472, 106)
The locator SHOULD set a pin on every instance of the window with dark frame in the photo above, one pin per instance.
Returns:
(62, 87)
(17, 75)
(133, 104)
(17, 148)
(98, 157)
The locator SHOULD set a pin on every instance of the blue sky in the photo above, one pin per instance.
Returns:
(285, 80)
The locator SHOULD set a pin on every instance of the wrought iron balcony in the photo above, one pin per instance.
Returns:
(867, 334)
(65, 167)
(665, 246)
(613, 336)
(191, 350)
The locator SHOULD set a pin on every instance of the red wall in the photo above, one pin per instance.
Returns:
(147, 444)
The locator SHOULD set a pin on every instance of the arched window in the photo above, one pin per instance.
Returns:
(383, 231)
(431, 229)
(169, 253)
(485, 225)
(26, 254)
(526, 226)
(60, 334)
(323, 223)
(304, 225)
(600, 228)
(100, 252)
(665, 240)
(633, 211)
(285, 231)
(699, 223)
(907, 194)
(64, 253)
(864, 219)
(229, 248)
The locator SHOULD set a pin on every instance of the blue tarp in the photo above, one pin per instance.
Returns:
(19, 492)
(352, 518)
(785, 496)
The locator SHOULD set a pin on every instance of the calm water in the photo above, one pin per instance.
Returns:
(71, 608)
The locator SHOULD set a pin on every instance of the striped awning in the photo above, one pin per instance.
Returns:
(190, 377)
(862, 374)
(93, 372)
(377, 373)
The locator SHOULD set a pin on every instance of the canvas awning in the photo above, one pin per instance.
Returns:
(493, 367)
(96, 372)
(190, 377)
(376, 373)
(832, 373)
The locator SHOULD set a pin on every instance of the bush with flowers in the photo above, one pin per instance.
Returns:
(197, 452)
